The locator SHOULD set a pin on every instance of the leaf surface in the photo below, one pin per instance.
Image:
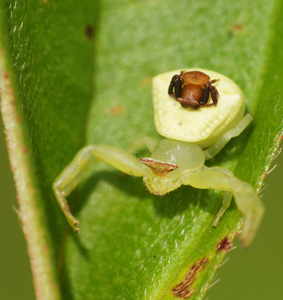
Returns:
(81, 74)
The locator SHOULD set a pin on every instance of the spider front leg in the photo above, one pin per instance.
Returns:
(245, 198)
(175, 87)
(209, 88)
(74, 172)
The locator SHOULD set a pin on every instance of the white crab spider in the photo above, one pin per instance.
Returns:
(192, 136)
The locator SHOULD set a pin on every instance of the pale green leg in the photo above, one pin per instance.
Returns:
(73, 173)
(245, 198)
(220, 144)
(227, 197)
(226, 203)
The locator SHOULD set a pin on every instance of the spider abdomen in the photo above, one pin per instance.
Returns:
(191, 95)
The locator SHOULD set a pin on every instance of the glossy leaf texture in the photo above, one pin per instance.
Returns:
(81, 73)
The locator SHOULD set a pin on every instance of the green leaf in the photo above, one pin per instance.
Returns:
(80, 73)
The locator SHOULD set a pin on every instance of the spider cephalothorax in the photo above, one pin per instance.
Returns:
(192, 89)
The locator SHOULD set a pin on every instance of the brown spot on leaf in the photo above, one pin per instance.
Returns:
(236, 29)
(117, 110)
(17, 118)
(24, 149)
(146, 81)
(224, 245)
(235, 234)
(159, 168)
(89, 32)
(183, 290)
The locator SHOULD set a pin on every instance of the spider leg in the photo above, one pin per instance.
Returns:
(212, 81)
(214, 94)
(219, 145)
(245, 198)
(175, 87)
(171, 85)
(225, 204)
(213, 91)
(69, 178)
(205, 96)
(227, 197)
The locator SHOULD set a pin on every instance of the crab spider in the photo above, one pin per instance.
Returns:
(192, 89)
(179, 158)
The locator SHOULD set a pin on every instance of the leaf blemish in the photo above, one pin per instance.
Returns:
(183, 290)
(89, 32)
(117, 110)
(224, 245)
(236, 29)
